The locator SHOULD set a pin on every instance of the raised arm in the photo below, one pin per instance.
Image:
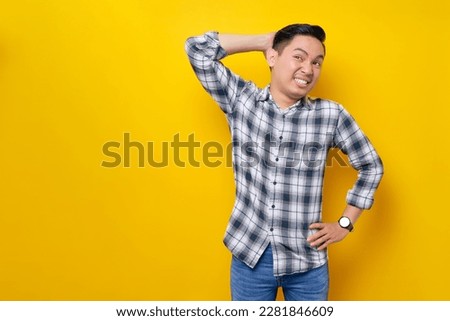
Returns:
(245, 43)
(206, 51)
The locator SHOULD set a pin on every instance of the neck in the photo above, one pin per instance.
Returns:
(282, 100)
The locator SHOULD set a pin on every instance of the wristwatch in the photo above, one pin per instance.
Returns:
(345, 222)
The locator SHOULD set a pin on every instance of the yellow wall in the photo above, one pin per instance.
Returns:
(75, 75)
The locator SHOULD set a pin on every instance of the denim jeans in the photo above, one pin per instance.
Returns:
(259, 283)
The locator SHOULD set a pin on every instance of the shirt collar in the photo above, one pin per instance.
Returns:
(264, 95)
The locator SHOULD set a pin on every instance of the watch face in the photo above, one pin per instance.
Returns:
(344, 221)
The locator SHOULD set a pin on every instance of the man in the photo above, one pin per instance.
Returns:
(280, 142)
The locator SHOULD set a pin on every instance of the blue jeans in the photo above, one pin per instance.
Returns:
(259, 283)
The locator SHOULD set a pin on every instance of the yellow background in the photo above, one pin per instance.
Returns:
(77, 74)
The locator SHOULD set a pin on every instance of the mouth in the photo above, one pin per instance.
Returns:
(302, 82)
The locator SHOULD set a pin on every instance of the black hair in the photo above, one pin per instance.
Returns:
(284, 36)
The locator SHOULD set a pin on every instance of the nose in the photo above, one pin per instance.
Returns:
(306, 68)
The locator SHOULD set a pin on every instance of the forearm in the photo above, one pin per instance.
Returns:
(205, 52)
(352, 212)
(245, 43)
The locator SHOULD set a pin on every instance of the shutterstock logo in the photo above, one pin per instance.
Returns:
(193, 153)
(181, 153)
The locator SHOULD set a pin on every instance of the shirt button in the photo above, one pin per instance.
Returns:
(284, 116)
(273, 206)
(277, 159)
(281, 137)
(274, 183)
(271, 229)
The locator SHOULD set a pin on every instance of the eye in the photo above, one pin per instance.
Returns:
(317, 63)
(299, 58)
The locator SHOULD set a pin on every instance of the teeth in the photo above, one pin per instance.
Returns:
(301, 81)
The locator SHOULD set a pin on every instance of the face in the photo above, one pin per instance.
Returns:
(296, 69)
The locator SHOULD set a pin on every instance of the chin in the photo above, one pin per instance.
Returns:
(302, 94)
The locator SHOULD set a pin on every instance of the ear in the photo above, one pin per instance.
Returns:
(271, 57)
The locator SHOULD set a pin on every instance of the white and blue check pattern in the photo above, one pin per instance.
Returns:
(279, 158)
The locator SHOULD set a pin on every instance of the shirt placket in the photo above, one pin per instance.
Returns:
(277, 162)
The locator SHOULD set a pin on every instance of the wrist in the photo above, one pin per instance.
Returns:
(267, 41)
(345, 223)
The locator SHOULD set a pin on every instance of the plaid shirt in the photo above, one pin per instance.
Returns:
(279, 158)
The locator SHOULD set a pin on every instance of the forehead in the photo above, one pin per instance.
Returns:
(310, 45)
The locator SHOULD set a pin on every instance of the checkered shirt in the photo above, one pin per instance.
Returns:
(279, 158)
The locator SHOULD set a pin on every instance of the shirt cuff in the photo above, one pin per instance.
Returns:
(359, 201)
(212, 40)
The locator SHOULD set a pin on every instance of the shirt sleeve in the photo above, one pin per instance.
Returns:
(204, 53)
(363, 157)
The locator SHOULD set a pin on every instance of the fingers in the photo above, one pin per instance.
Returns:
(319, 238)
(316, 226)
(327, 234)
(323, 242)
(324, 245)
(320, 233)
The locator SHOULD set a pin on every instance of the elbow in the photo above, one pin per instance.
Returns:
(372, 171)
(188, 44)
(379, 167)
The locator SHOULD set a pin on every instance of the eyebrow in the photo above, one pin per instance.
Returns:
(306, 53)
